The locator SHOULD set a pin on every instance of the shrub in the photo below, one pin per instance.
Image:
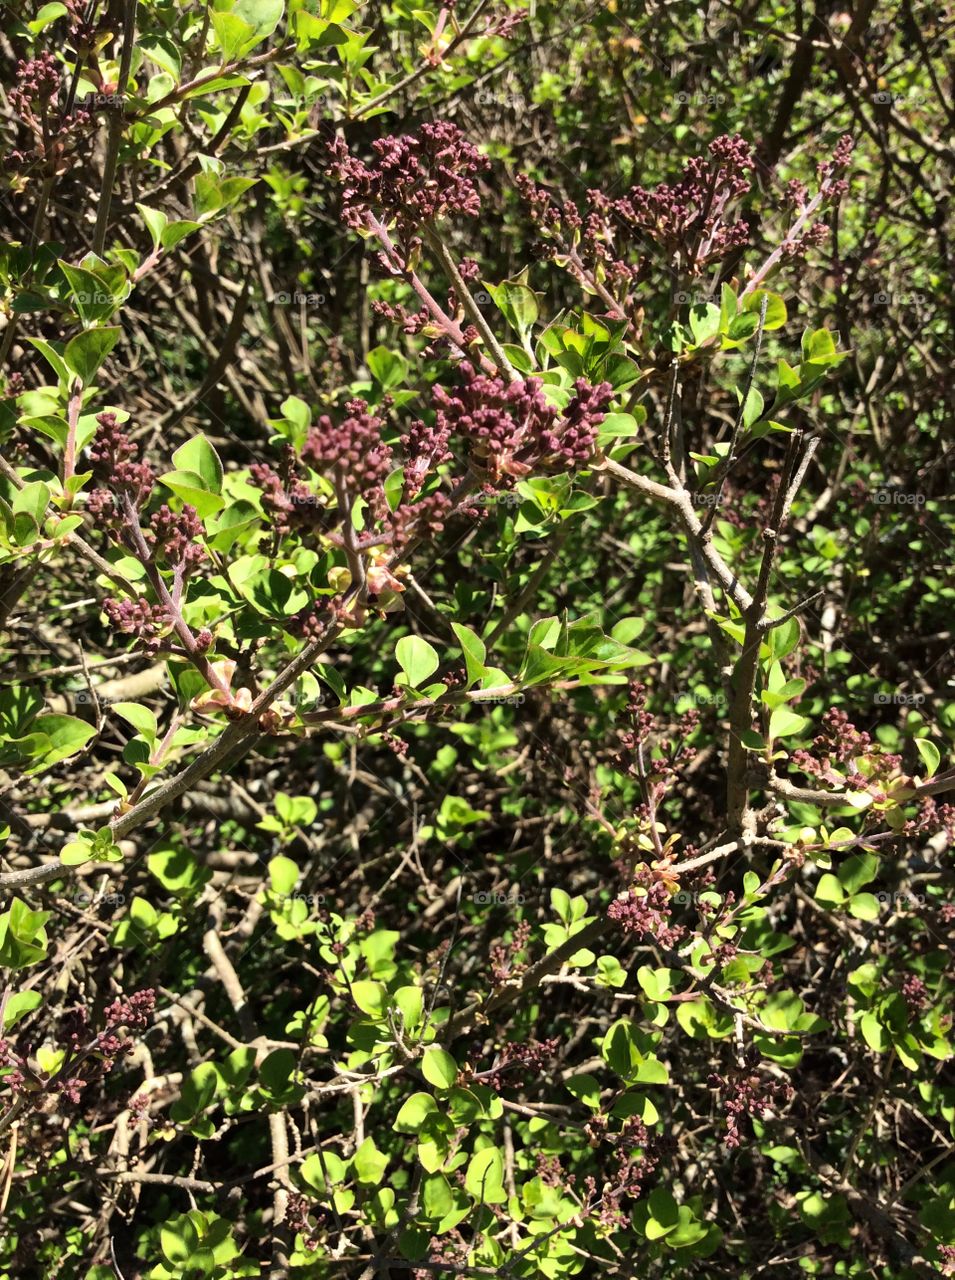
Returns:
(474, 751)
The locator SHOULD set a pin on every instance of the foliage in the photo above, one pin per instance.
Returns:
(476, 718)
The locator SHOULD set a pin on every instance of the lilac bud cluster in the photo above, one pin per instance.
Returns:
(746, 1093)
(352, 451)
(531, 1059)
(173, 534)
(290, 503)
(81, 31)
(169, 541)
(96, 1055)
(832, 187)
(34, 98)
(645, 910)
(504, 956)
(139, 618)
(845, 756)
(636, 1159)
(689, 218)
(915, 994)
(448, 1255)
(414, 180)
(298, 1219)
(512, 428)
(116, 470)
(425, 448)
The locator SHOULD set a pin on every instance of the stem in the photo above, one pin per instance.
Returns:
(470, 306)
(72, 422)
(115, 129)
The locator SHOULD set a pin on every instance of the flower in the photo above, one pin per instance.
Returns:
(139, 618)
(415, 179)
(352, 451)
(115, 468)
(173, 535)
(513, 429)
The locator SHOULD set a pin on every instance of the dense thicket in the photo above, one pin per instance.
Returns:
(475, 621)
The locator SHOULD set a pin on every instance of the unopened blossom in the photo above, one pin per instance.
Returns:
(415, 179)
(513, 429)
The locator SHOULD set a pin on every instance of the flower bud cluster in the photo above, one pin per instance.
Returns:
(512, 429)
(414, 180)
(744, 1092)
(646, 908)
(34, 99)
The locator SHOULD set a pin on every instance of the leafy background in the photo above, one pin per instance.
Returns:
(374, 1047)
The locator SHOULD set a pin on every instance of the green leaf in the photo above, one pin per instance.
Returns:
(141, 718)
(857, 871)
(417, 659)
(439, 1068)
(156, 222)
(873, 1032)
(371, 997)
(177, 231)
(410, 1003)
(199, 457)
(864, 906)
(775, 308)
(23, 938)
(191, 488)
(47, 14)
(234, 35)
(53, 359)
(283, 875)
(474, 650)
(484, 1179)
(66, 734)
(389, 368)
(585, 1087)
(414, 1112)
(18, 1005)
(32, 500)
(437, 1198)
(783, 723)
(86, 352)
(369, 1163)
(829, 891)
(931, 756)
(262, 15)
(517, 303)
